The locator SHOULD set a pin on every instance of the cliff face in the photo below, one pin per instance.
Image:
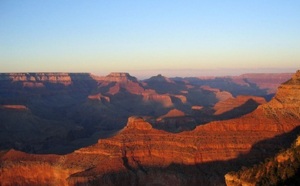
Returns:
(45, 83)
(220, 95)
(283, 169)
(62, 78)
(164, 99)
(287, 95)
(35, 77)
(232, 103)
(118, 77)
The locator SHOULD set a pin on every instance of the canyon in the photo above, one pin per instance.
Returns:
(117, 130)
(67, 111)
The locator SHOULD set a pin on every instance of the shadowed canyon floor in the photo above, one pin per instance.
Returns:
(142, 155)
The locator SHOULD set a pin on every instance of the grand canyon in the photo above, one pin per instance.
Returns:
(83, 129)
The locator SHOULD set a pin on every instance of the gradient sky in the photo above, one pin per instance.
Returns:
(148, 36)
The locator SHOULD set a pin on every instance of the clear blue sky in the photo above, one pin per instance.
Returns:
(148, 36)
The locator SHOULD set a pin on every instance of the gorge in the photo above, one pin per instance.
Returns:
(141, 151)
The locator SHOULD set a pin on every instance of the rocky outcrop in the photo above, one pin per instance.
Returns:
(119, 81)
(14, 107)
(159, 78)
(234, 103)
(197, 107)
(124, 86)
(118, 77)
(37, 79)
(135, 122)
(164, 99)
(283, 169)
(220, 95)
(33, 169)
(173, 113)
(163, 85)
(287, 95)
(182, 98)
(54, 77)
(99, 97)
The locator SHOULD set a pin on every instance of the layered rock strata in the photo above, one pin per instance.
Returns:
(141, 155)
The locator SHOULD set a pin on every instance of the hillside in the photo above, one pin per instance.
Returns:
(283, 169)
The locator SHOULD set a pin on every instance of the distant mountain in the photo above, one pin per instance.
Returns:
(257, 84)
(121, 77)
(162, 85)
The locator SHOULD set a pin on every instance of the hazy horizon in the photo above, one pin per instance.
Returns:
(175, 38)
(171, 73)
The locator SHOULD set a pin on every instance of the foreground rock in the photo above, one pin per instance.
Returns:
(283, 169)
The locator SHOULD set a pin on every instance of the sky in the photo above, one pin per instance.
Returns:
(176, 38)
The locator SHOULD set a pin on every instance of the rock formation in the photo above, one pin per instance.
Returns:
(164, 85)
(99, 97)
(173, 113)
(283, 169)
(40, 78)
(118, 77)
(164, 99)
(234, 103)
(220, 95)
(14, 107)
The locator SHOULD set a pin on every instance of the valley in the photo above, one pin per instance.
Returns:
(192, 135)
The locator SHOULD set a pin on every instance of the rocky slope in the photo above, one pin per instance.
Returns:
(283, 169)
(142, 155)
(238, 105)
